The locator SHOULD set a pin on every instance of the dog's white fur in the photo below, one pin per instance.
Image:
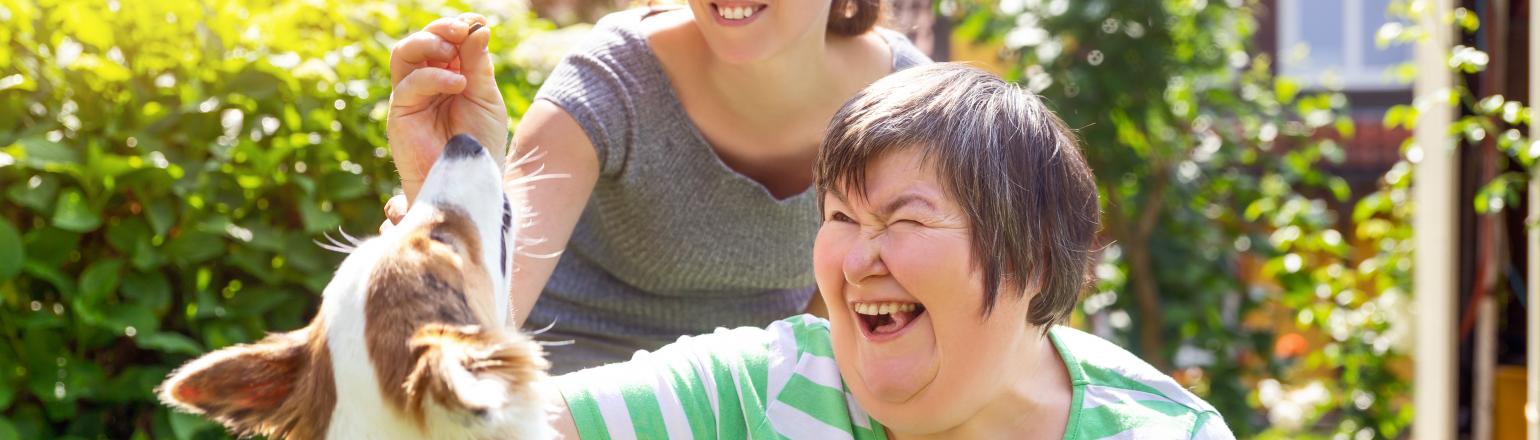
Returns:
(472, 185)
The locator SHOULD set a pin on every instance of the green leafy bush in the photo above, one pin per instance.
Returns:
(1225, 266)
(165, 168)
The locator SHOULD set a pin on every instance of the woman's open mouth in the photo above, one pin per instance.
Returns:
(736, 13)
(882, 321)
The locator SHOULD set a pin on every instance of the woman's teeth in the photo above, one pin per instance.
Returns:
(882, 308)
(736, 12)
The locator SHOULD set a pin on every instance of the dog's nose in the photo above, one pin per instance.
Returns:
(462, 146)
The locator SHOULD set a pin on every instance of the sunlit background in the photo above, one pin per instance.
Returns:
(166, 167)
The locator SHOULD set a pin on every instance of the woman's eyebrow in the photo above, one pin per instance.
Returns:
(905, 200)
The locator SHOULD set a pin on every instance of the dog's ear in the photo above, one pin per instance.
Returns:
(471, 369)
(243, 387)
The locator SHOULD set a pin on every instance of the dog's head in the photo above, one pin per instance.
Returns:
(411, 332)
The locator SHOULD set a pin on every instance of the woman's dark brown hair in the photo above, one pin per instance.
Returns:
(866, 14)
(1009, 162)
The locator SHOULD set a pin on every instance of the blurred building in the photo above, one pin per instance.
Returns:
(1332, 44)
(1471, 279)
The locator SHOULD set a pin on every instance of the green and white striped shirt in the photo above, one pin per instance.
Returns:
(782, 382)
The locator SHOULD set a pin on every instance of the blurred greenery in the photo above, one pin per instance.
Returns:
(1492, 120)
(166, 167)
(1225, 264)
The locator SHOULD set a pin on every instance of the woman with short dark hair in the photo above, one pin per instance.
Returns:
(959, 229)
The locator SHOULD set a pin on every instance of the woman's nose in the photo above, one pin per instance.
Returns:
(864, 261)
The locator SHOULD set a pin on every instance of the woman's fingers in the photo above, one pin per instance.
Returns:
(395, 209)
(418, 50)
(470, 18)
(476, 62)
(422, 85)
(437, 45)
(449, 28)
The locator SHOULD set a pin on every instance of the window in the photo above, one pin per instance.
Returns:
(1325, 42)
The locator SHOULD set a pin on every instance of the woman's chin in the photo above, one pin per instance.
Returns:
(888, 387)
(896, 371)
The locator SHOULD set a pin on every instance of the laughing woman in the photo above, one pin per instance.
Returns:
(959, 228)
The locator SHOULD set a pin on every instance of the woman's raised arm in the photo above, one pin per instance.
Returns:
(561, 148)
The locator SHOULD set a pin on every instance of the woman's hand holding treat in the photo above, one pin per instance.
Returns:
(442, 85)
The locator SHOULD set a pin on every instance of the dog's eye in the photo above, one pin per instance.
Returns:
(442, 237)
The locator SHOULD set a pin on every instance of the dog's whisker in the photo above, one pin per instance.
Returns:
(541, 256)
(352, 241)
(331, 244)
(534, 154)
(536, 178)
(547, 328)
(333, 248)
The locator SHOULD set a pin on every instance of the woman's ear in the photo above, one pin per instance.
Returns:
(244, 386)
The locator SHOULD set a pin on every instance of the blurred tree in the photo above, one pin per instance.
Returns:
(1224, 265)
(165, 168)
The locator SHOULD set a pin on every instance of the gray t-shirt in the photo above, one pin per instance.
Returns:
(672, 241)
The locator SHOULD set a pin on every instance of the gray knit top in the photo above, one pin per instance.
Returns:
(672, 242)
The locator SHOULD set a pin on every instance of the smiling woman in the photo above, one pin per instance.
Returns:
(959, 226)
(687, 135)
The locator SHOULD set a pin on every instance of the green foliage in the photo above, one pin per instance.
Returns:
(1481, 116)
(1220, 216)
(165, 167)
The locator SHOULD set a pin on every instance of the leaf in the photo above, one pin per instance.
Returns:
(168, 342)
(145, 256)
(120, 318)
(1285, 89)
(126, 235)
(193, 247)
(148, 289)
(344, 186)
(161, 214)
(188, 426)
(1340, 188)
(8, 387)
(133, 384)
(8, 431)
(1395, 115)
(38, 193)
(100, 279)
(44, 154)
(257, 301)
(12, 252)
(71, 213)
(317, 219)
(1346, 127)
(1490, 105)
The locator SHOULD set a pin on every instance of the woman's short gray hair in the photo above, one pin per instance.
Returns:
(1011, 164)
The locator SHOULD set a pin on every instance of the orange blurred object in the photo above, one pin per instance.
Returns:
(1290, 345)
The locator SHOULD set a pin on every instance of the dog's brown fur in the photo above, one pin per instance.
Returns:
(441, 348)
(426, 305)
(282, 389)
(396, 310)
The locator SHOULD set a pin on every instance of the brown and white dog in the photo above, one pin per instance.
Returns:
(411, 338)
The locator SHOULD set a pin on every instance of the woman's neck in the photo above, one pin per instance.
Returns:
(785, 82)
(1035, 406)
